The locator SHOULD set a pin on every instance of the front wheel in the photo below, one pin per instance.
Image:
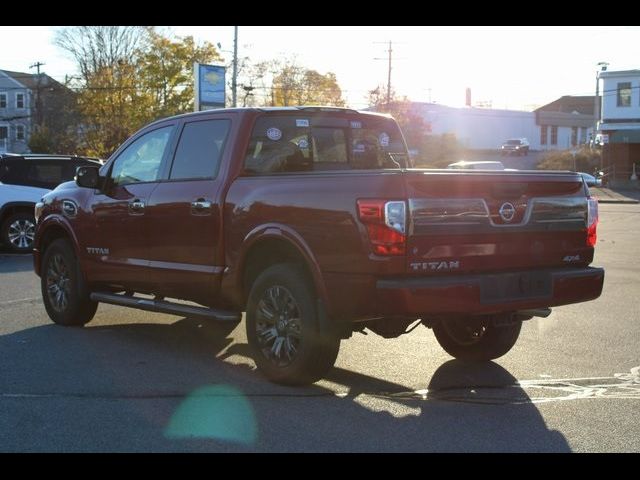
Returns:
(289, 344)
(476, 339)
(18, 231)
(64, 292)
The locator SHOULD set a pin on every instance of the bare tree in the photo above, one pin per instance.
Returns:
(99, 46)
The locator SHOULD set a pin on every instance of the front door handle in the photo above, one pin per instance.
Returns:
(136, 207)
(201, 207)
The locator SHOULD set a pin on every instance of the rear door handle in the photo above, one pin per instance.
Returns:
(136, 207)
(201, 207)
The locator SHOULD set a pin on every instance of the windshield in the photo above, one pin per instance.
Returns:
(513, 142)
(321, 142)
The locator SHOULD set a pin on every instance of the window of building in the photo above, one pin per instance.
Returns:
(19, 100)
(554, 135)
(543, 134)
(583, 135)
(3, 100)
(20, 132)
(574, 136)
(624, 94)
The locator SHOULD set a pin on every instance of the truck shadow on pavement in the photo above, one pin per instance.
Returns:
(168, 387)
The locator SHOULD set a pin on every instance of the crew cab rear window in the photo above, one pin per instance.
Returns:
(199, 149)
(308, 143)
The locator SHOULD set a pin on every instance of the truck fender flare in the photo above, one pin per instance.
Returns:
(61, 222)
(289, 235)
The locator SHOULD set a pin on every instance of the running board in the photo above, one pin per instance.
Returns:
(162, 306)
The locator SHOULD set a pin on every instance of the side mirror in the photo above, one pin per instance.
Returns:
(88, 177)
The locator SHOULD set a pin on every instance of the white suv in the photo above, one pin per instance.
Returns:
(24, 179)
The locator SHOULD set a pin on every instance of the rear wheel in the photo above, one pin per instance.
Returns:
(289, 344)
(476, 339)
(65, 295)
(18, 231)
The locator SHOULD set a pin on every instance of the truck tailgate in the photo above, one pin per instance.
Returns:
(466, 222)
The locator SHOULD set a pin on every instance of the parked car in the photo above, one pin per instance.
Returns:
(482, 165)
(590, 180)
(313, 222)
(24, 179)
(515, 146)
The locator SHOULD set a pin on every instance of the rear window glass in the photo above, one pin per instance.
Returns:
(37, 173)
(308, 143)
(199, 150)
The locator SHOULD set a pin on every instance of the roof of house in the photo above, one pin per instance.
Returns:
(619, 73)
(568, 104)
(30, 80)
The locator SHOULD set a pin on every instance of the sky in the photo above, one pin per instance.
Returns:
(517, 68)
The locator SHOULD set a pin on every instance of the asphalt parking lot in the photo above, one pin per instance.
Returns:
(138, 381)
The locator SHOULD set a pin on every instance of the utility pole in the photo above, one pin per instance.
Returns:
(38, 109)
(596, 102)
(389, 58)
(389, 77)
(234, 79)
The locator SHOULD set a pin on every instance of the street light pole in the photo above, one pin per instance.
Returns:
(234, 79)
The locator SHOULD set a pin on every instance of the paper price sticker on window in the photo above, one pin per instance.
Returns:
(383, 139)
(302, 122)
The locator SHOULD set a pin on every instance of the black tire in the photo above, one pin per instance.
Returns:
(64, 292)
(289, 344)
(476, 339)
(18, 231)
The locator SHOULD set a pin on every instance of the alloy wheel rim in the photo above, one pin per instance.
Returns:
(278, 326)
(21, 233)
(58, 283)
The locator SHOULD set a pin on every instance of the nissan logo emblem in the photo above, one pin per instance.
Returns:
(507, 212)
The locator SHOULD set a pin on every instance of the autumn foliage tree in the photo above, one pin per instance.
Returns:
(129, 76)
(165, 71)
(294, 84)
(287, 83)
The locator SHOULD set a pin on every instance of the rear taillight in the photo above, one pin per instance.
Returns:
(386, 225)
(592, 221)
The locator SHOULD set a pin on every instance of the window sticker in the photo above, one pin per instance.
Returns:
(303, 143)
(274, 133)
(356, 124)
(358, 148)
(383, 139)
(302, 122)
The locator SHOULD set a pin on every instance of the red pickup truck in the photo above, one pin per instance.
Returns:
(313, 222)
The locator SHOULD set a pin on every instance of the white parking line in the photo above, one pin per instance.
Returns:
(22, 300)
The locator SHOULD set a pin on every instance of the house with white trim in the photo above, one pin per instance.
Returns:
(620, 122)
(29, 101)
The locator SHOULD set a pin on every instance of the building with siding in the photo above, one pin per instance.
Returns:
(30, 101)
(620, 122)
